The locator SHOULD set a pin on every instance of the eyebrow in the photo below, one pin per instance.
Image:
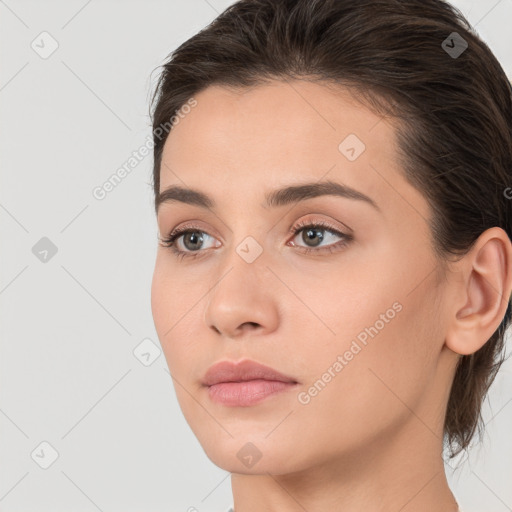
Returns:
(275, 198)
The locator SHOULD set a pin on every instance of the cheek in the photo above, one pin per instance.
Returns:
(161, 298)
(371, 347)
(172, 297)
(351, 303)
(175, 306)
(380, 380)
(167, 306)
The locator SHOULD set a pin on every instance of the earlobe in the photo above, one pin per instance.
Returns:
(484, 292)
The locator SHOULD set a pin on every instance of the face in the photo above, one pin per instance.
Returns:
(337, 292)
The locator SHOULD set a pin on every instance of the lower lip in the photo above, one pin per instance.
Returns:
(246, 393)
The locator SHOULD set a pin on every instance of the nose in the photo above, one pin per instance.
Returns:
(242, 301)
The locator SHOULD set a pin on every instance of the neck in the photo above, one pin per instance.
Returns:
(405, 474)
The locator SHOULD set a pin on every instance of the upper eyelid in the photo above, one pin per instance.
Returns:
(304, 219)
(298, 225)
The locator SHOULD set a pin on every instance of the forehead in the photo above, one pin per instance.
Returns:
(293, 115)
(248, 141)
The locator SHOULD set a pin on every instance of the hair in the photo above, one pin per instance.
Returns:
(453, 116)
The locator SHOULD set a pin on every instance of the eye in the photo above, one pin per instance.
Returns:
(193, 240)
(313, 235)
(188, 241)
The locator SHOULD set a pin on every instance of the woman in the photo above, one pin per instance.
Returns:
(333, 281)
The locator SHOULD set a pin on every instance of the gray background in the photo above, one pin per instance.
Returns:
(69, 326)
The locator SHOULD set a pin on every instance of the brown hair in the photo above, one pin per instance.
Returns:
(455, 111)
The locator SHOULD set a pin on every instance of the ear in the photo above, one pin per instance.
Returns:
(482, 296)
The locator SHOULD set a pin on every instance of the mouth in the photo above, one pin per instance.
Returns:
(244, 384)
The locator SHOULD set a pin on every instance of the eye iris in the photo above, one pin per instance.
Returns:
(309, 235)
(196, 240)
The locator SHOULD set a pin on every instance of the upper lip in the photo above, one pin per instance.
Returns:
(229, 371)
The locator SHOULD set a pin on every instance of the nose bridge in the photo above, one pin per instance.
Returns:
(247, 247)
(242, 290)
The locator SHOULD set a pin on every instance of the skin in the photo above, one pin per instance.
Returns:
(371, 439)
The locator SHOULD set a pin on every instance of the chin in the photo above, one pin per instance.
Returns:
(250, 455)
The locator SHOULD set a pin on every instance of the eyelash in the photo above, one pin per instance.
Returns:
(325, 226)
